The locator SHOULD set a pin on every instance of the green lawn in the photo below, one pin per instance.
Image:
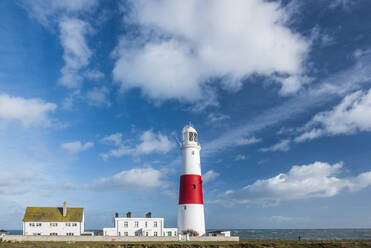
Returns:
(242, 243)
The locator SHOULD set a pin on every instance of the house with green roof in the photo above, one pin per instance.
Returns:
(53, 221)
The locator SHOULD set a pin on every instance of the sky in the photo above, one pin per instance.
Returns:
(94, 95)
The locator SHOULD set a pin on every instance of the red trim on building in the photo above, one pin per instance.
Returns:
(190, 190)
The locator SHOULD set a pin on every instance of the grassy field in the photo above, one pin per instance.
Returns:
(243, 243)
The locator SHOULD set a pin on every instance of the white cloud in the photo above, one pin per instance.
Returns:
(45, 11)
(320, 37)
(68, 17)
(71, 186)
(115, 139)
(10, 182)
(359, 53)
(150, 142)
(119, 152)
(94, 74)
(282, 146)
(207, 39)
(292, 83)
(247, 141)
(240, 157)
(30, 112)
(133, 178)
(318, 179)
(329, 89)
(345, 4)
(217, 117)
(351, 115)
(238, 141)
(76, 51)
(309, 135)
(76, 146)
(209, 176)
(98, 97)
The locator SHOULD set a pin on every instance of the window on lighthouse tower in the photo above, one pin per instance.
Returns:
(190, 136)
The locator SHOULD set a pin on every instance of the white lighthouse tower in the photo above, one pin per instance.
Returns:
(191, 206)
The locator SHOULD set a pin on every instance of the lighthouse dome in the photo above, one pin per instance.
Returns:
(189, 128)
(189, 135)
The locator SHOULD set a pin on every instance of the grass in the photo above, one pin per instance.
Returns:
(251, 243)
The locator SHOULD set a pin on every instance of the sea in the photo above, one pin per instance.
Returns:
(290, 234)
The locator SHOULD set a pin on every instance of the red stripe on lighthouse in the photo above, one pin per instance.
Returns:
(190, 190)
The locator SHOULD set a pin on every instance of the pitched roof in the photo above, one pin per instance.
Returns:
(48, 214)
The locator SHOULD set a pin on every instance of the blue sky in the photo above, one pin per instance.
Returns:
(94, 94)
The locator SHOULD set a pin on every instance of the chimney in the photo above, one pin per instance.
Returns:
(148, 215)
(128, 214)
(64, 209)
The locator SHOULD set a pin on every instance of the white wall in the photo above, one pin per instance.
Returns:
(82, 226)
(173, 231)
(20, 238)
(191, 164)
(112, 231)
(191, 216)
(46, 228)
(132, 230)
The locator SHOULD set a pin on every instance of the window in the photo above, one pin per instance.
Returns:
(38, 224)
(70, 234)
(146, 233)
(193, 152)
(136, 224)
(74, 224)
(185, 207)
(68, 224)
(195, 137)
(155, 224)
(145, 224)
(155, 234)
(53, 224)
(53, 234)
(126, 234)
(32, 224)
(126, 224)
(190, 136)
(194, 186)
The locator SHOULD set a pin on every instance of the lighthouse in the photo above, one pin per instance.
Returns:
(191, 205)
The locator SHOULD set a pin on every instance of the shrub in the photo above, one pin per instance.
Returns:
(191, 232)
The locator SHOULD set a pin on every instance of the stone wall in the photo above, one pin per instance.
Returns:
(21, 238)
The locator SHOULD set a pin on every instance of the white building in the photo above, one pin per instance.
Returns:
(53, 221)
(219, 233)
(139, 227)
